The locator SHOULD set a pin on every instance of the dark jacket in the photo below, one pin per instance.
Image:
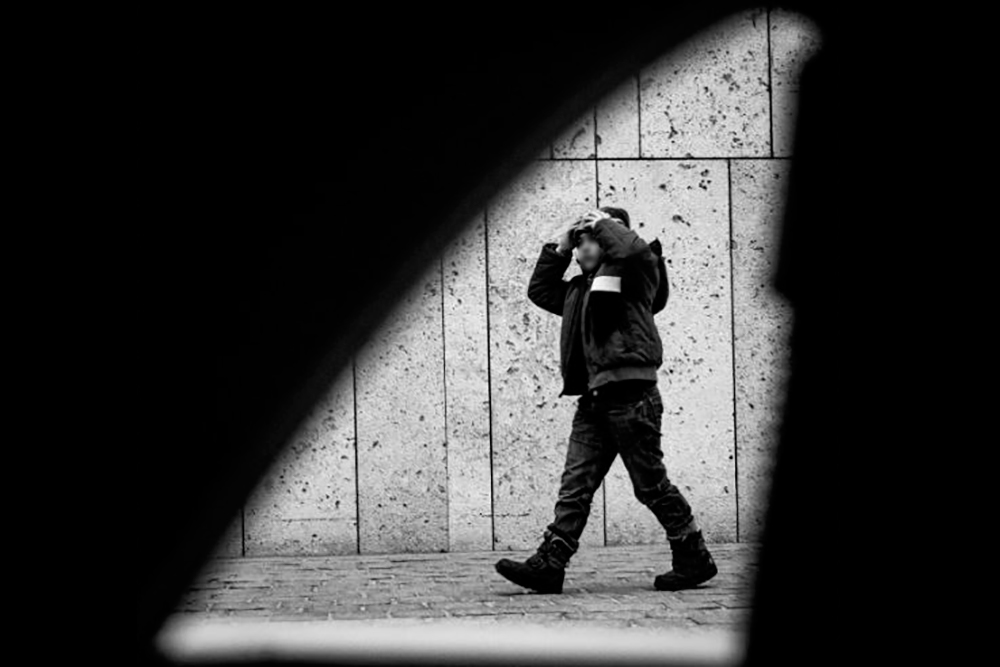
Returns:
(619, 338)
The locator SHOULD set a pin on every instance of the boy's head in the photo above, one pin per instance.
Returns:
(617, 213)
(589, 253)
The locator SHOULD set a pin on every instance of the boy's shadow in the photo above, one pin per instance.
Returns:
(603, 589)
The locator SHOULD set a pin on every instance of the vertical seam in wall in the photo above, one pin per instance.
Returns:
(357, 467)
(638, 106)
(604, 498)
(447, 448)
(597, 199)
(597, 184)
(770, 85)
(596, 150)
(243, 531)
(732, 324)
(489, 372)
(597, 145)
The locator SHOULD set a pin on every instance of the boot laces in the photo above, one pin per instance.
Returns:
(536, 561)
(540, 558)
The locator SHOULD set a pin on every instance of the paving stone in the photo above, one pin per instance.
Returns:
(609, 591)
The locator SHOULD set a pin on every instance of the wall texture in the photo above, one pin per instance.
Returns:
(447, 432)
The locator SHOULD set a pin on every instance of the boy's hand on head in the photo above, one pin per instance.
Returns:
(568, 240)
(591, 218)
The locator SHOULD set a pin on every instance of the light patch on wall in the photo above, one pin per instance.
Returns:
(306, 503)
(709, 98)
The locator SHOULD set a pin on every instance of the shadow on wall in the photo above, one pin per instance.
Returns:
(447, 433)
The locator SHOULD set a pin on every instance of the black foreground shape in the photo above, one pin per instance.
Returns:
(271, 147)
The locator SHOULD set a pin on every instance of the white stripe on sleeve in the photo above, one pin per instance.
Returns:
(606, 284)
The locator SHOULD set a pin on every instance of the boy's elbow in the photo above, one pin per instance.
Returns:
(543, 300)
(640, 249)
(536, 297)
(619, 242)
(533, 291)
(635, 250)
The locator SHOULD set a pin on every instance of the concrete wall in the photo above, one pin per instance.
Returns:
(447, 433)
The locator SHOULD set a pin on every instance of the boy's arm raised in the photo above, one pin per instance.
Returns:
(547, 288)
(618, 241)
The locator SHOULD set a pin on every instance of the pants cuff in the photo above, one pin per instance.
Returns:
(570, 543)
(681, 533)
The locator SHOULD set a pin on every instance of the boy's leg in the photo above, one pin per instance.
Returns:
(588, 459)
(636, 431)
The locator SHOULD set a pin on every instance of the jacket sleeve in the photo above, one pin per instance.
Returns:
(547, 289)
(617, 241)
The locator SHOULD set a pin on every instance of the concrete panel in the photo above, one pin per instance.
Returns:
(470, 504)
(618, 121)
(685, 205)
(307, 503)
(577, 140)
(794, 39)
(709, 97)
(402, 451)
(762, 325)
(531, 424)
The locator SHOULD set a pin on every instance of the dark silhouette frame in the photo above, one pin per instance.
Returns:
(267, 141)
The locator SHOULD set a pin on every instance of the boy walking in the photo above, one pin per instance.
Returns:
(609, 352)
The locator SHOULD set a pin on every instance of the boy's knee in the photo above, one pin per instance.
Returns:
(580, 495)
(653, 495)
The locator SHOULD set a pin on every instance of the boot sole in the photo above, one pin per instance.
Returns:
(514, 577)
(685, 584)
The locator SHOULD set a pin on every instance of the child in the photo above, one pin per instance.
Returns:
(609, 352)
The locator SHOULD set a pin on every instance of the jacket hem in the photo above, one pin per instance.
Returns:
(623, 373)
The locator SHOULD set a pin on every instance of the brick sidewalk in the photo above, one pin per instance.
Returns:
(406, 604)
(609, 586)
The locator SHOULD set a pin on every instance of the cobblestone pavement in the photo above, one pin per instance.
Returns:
(605, 588)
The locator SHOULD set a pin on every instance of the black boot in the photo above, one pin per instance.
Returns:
(692, 564)
(543, 571)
